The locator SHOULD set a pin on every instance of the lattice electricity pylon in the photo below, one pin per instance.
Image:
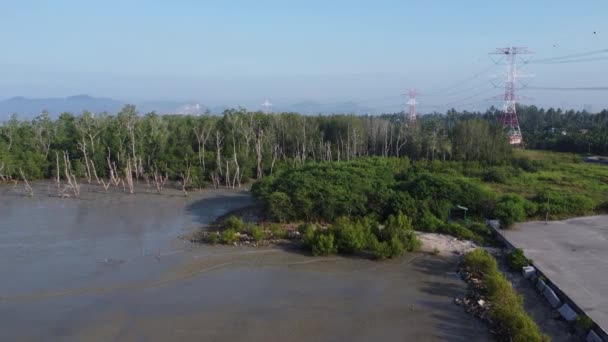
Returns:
(509, 118)
(267, 105)
(411, 103)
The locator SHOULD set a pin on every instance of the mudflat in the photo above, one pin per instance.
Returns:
(113, 267)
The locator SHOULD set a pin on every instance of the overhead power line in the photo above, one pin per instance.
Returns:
(570, 88)
(571, 60)
(460, 83)
(576, 55)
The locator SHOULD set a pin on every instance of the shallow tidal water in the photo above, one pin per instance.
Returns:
(114, 267)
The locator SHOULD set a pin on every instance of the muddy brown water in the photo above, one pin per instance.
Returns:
(112, 267)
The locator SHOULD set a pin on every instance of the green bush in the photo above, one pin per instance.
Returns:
(507, 306)
(234, 223)
(516, 260)
(214, 238)
(277, 231)
(380, 250)
(323, 243)
(351, 237)
(229, 236)
(561, 204)
(480, 229)
(584, 322)
(459, 231)
(280, 207)
(307, 232)
(429, 223)
(496, 175)
(510, 209)
(257, 233)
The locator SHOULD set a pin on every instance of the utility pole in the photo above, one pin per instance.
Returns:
(267, 105)
(509, 118)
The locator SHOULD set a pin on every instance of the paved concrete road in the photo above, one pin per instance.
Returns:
(574, 255)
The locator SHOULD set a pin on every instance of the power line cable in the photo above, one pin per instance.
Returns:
(571, 60)
(458, 84)
(576, 55)
(603, 88)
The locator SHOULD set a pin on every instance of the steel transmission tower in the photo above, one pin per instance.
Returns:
(267, 105)
(411, 103)
(509, 113)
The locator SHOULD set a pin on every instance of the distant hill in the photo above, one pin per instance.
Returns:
(27, 107)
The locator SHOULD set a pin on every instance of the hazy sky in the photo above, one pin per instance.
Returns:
(240, 52)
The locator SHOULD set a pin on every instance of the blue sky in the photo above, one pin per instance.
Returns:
(240, 52)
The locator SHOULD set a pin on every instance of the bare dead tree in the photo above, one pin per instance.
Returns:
(28, 188)
(186, 178)
(237, 172)
(58, 174)
(218, 151)
(113, 171)
(259, 137)
(70, 178)
(275, 155)
(227, 176)
(3, 178)
(82, 146)
(202, 135)
(129, 175)
(159, 180)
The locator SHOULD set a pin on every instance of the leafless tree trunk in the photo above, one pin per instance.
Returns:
(58, 172)
(227, 176)
(275, 155)
(237, 172)
(3, 178)
(202, 135)
(28, 188)
(159, 180)
(218, 151)
(186, 179)
(70, 178)
(82, 146)
(258, 153)
(113, 171)
(129, 175)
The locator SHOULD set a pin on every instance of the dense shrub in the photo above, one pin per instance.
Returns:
(229, 236)
(323, 243)
(277, 231)
(496, 175)
(351, 237)
(458, 230)
(234, 223)
(480, 229)
(214, 238)
(257, 233)
(428, 222)
(280, 207)
(561, 204)
(516, 260)
(510, 208)
(507, 306)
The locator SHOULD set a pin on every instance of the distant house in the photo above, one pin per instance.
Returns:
(584, 131)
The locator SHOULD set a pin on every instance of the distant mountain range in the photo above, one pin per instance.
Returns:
(31, 107)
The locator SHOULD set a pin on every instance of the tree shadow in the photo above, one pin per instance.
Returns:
(218, 204)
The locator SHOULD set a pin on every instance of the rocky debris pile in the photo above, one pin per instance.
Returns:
(442, 244)
(475, 302)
